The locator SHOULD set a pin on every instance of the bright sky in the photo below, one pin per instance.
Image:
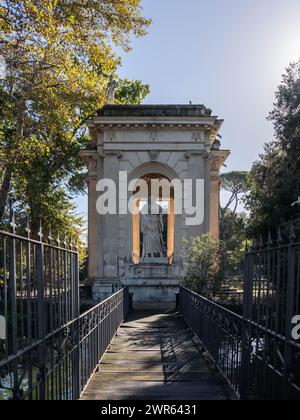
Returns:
(227, 54)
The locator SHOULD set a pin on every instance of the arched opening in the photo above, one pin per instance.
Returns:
(164, 200)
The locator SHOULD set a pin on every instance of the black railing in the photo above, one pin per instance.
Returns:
(39, 289)
(257, 363)
(47, 350)
(272, 284)
(60, 366)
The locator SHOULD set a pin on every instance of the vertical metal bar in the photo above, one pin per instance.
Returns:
(58, 285)
(288, 319)
(277, 290)
(28, 291)
(246, 330)
(5, 295)
(12, 288)
(50, 273)
(34, 292)
(248, 286)
(22, 319)
(65, 282)
(41, 318)
(55, 297)
(76, 377)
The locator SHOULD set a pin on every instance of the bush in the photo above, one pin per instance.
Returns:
(204, 272)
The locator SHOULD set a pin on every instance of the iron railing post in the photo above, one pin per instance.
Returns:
(41, 317)
(246, 328)
(12, 288)
(76, 375)
(12, 299)
(288, 319)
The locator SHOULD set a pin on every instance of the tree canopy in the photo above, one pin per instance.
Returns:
(236, 184)
(275, 177)
(59, 58)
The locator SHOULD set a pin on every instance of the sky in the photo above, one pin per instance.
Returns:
(226, 54)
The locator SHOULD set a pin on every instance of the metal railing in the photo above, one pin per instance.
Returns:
(47, 350)
(39, 289)
(272, 284)
(60, 366)
(258, 363)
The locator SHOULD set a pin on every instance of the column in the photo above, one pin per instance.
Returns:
(198, 168)
(171, 231)
(90, 157)
(92, 231)
(110, 223)
(218, 158)
(215, 206)
(136, 228)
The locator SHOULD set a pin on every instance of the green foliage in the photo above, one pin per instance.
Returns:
(203, 271)
(233, 228)
(286, 113)
(236, 236)
(59, 61)
(214, 264)
(275, 178)
(237, 185)
(131, 92)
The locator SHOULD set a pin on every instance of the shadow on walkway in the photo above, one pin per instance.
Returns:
(155, 357)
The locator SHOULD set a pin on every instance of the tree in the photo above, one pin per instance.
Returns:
(203, 271)
(236, 184)
(275, 177)
(59, 60)
(286, 113)
(131, 92)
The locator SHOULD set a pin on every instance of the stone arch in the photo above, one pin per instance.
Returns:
(169, 173)
(153, 167)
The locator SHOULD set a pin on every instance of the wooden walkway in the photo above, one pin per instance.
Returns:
(155, 357)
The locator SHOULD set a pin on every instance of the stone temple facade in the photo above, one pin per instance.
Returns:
(149, 141)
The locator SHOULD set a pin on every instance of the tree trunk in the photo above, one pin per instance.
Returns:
(12, 158)
(222, 225)
(5, 189)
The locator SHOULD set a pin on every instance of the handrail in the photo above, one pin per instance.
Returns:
(60, 366)
(256, 362)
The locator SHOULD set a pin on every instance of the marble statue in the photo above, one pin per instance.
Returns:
(152, 228)
(111, 90)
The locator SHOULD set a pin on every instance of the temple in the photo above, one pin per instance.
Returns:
(150, 142)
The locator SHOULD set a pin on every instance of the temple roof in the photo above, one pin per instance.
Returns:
(154, 111)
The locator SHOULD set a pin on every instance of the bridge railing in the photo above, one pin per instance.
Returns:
(60, 366)
(47, 350)
(258, 363)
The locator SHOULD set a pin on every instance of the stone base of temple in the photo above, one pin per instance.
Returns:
(152, 293)
(150, 283)
(153, 283)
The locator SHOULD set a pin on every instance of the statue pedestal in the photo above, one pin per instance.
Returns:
(155, 261)
(153, 282)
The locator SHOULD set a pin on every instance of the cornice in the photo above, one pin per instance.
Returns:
(149, 123)
(211, 125)
(90, 158)
(218, 158)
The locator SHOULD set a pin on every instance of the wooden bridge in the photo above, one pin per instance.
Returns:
(48, 351)
(156, 357)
